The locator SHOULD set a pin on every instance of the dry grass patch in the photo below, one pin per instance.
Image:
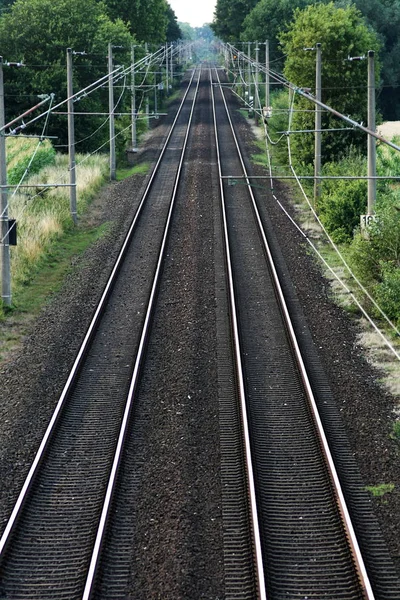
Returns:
(43, 214)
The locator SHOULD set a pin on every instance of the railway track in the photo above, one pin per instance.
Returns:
(285, 528)
(304, 540)
(52, 544)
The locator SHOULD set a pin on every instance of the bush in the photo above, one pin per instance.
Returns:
(364, 262)
(388, 159)
(342, 207)
(343, 201)
(388, 292)
(376, 259)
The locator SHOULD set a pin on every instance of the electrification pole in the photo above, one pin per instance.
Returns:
(172, 66)
(317, 158)
(146, 49)
(71, 139)
(155, 93)
(267, 74)
(4, 245)
(249, 70)
(371, 140)
(111, 114)
(256, 90)
(133, 100)
(167, 68)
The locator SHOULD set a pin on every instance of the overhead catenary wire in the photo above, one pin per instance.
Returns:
(118, 73)
(108, 117)
(343, 260)
(75, 96)
(291, 110)
(284, 81)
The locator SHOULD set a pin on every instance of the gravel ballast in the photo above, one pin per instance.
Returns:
(33, 380)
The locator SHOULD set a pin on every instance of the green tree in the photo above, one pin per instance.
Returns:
(342, 33)
(38, 32)
(229, 17)
(173, 30)
(268, 19)
(384, 17)
(147, 20)
(188, 32)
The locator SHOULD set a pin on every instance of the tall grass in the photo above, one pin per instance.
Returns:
(43, 214)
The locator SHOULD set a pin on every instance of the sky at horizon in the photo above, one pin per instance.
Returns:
(194, 12)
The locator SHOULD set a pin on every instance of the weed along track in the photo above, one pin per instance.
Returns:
(196, 450)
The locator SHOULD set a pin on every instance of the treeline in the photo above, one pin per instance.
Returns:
(249, 20)
(292, 35)
(147, 21)
(37, 33)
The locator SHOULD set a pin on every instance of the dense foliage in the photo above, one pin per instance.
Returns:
(343, 201)
(229, 18)
(343, 33)
(38, 32)
(267, 19)
(147, 21)
(173, 30)
(384, 17)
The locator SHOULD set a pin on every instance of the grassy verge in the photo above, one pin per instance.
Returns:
(47, 240)
(52, 268)
(140, 169)
(46, 279)
(43, 214)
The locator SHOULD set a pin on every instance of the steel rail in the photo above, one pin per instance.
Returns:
(240, 376)
(340, 500)
(84, 346)
(96, 556)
